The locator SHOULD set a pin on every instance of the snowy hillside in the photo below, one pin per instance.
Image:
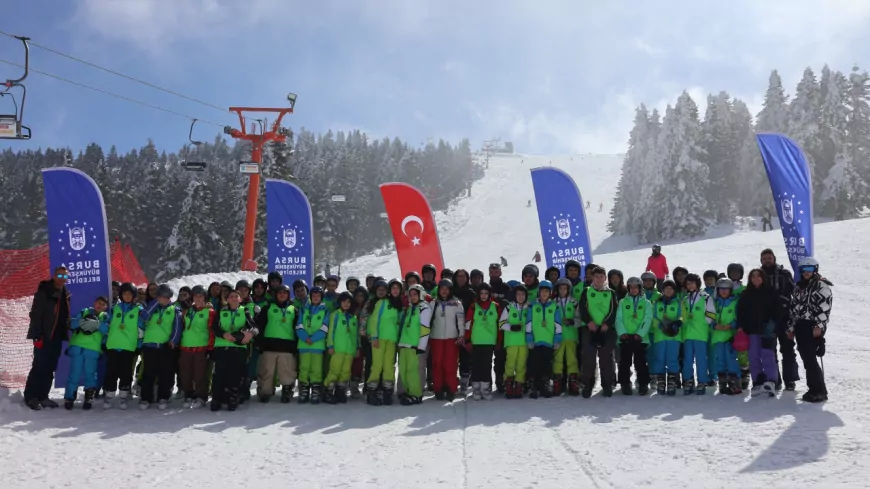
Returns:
(497, 221)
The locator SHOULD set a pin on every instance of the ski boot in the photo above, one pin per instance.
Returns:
(441, 395)
(532, 388)
(486, 391)
(688, 387)
(711, 382)
(286, 394)
(558, 386)
(373, 394)
(475, 391)
(304, 393)
(790, 386)
(188, 402)
(722, 380)
(701, 388)
(162, 404)
(329, 394)
(122, 399)
(499, 384)
(198, 404)
(449, 396)
(144, 405)
(509, 388)
(769, 388)
(573, 385)
(388, 393)
(734, 384)
(89, 399)
(661, 385)
(341, 392)
(464, 381)
(68, 404)
(316, 393)
(107, 400)
(354, 389)
(671, 388)
(642, 388)
(814, 397)
(544, 388)
(744, 378)
(607, 390)
(232, 398)
(626, 389)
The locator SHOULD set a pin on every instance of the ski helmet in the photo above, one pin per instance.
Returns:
(127, 287)
(545, 284)
(243, 283)
(275, 276)
(259, 282)
(344, 296)
(445, 282)
(413, 274)
(446, 273)
(351, 279)
(333, 278)
(380, 283)
(657, 248)
(648, 276)
(573, 264)
(565, 282)
(476, 273)
(724, 283)
(395, 282)
(530, 270)
(164, 290)
(735, 267)
(634, 281)
(429, 268)
(421, 292)
(198, 290)
(693, 277)
(616, 272)
(316, 290)
(484, 286)
(282, 288)
(711, 274)
(300, 283)
(513, 284)
(522, 288)
(115, 283)
(669, 283)
(680, 270)
(361, 290)
(319, 279)
(808, 264)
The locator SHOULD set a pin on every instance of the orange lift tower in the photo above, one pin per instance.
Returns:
(275, 134)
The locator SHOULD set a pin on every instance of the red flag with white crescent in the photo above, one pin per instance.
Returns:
(413, 227)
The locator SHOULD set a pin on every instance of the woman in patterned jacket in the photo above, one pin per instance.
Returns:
(808, 320)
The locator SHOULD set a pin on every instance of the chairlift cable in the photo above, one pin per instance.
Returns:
(112, 94)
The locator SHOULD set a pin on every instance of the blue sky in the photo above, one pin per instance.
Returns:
(551, 76)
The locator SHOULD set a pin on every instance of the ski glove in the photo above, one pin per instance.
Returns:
(421, 352)
(516, 327)
(820, 346)
(531, 346)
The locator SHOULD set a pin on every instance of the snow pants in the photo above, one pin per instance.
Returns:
(762, 358)
(498, 364)
(540, 363)
(464, 362)
(444, 362)
(633, 352)
(666, 358)
(253, 366)
(604, 354)
(481, 363)
(41, 376)
(271, 364)
(566, 354)
(193, 374)
(159, 368)
(101, 368)
(422, 360)
(82, 367)
(651, 353)
(695, 360)
(339, 368)
(711, 368)
(119, 370)
(357, 368)
(310, 367)
(743, 359)
(383, 362)
(515, 363)
(230, 365)
(807, 346)
(725, 359)
(409, 371)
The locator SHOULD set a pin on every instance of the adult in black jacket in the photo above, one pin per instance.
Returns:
(500, 292)
(757, 311)
(782, 283)
(49, 327)
(598, 339)
(463, 291)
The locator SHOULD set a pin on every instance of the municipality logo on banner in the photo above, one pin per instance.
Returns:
(290, 225)
(561, 217)
(77, 239)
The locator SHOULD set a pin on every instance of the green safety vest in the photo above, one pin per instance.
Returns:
(484, 330)
(516, 316)
(197, 330)
(312, 323)
(544, 322)
(280, 322)
(158, 328)
(577, 290)
(633, 313)
(599, 304)
(673, 311)
(92, 341)
(383, 323)
(725, 314)
(695, 325)
(230, 321)
(124, 329)
(412, 330)
(652, 295)
(343, 332)
(569, 321)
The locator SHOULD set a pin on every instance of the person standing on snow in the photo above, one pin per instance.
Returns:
(162, 335)
(810, 310)
(513, 326)
(85, 349)
(658, 264)
(414, 342)
(633, 321)
(482, 338)
(699, 315)
(342, 344)
(782, 283)
(277, 346)
(756, 314)
(447, 338)
(500, 293)
(597, 307)
(543, 337)
(197, 340)
(537, 257)
(49, 326)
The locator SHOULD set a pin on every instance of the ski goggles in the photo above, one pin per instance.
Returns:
(807, 269)
(64, 276)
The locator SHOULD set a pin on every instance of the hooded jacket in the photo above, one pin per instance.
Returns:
(757, 307)
(49, 313)
(448, 319)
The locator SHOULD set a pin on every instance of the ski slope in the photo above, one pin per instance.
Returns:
(621, 442)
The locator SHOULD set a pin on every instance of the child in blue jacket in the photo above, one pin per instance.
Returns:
(87, 330)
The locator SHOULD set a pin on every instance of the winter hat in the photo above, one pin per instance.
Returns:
(163, 290)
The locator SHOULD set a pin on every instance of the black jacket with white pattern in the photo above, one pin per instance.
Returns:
(811, 301)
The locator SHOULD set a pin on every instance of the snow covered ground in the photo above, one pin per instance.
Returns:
(704, 442)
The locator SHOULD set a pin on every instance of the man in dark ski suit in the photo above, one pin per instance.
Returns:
(500, 294)
(782, 281)
(49, 327)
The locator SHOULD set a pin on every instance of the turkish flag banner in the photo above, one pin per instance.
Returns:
(413, 227)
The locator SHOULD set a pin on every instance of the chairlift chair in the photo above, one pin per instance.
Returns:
(11, 126)
(192, 165)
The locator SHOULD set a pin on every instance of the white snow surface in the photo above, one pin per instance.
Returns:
(622, 442)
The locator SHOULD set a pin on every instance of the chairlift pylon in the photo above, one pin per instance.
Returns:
(192, 165)
(11, 126)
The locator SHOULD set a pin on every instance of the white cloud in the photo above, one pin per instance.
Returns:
(643, 46)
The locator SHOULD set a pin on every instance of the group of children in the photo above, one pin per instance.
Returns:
(546, 337)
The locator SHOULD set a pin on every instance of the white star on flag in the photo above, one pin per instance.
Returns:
(416, 241)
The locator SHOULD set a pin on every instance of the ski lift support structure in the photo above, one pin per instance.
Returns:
(14, 121)
(275, 133)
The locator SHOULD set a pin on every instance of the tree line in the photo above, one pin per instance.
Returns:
(682, 174)
(180, 223)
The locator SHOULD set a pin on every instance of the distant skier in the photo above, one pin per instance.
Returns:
(658, 264)
(601, 207)
(503, 261)
(537, 257)
(529, 204)
(766, 220)
(587, 204)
